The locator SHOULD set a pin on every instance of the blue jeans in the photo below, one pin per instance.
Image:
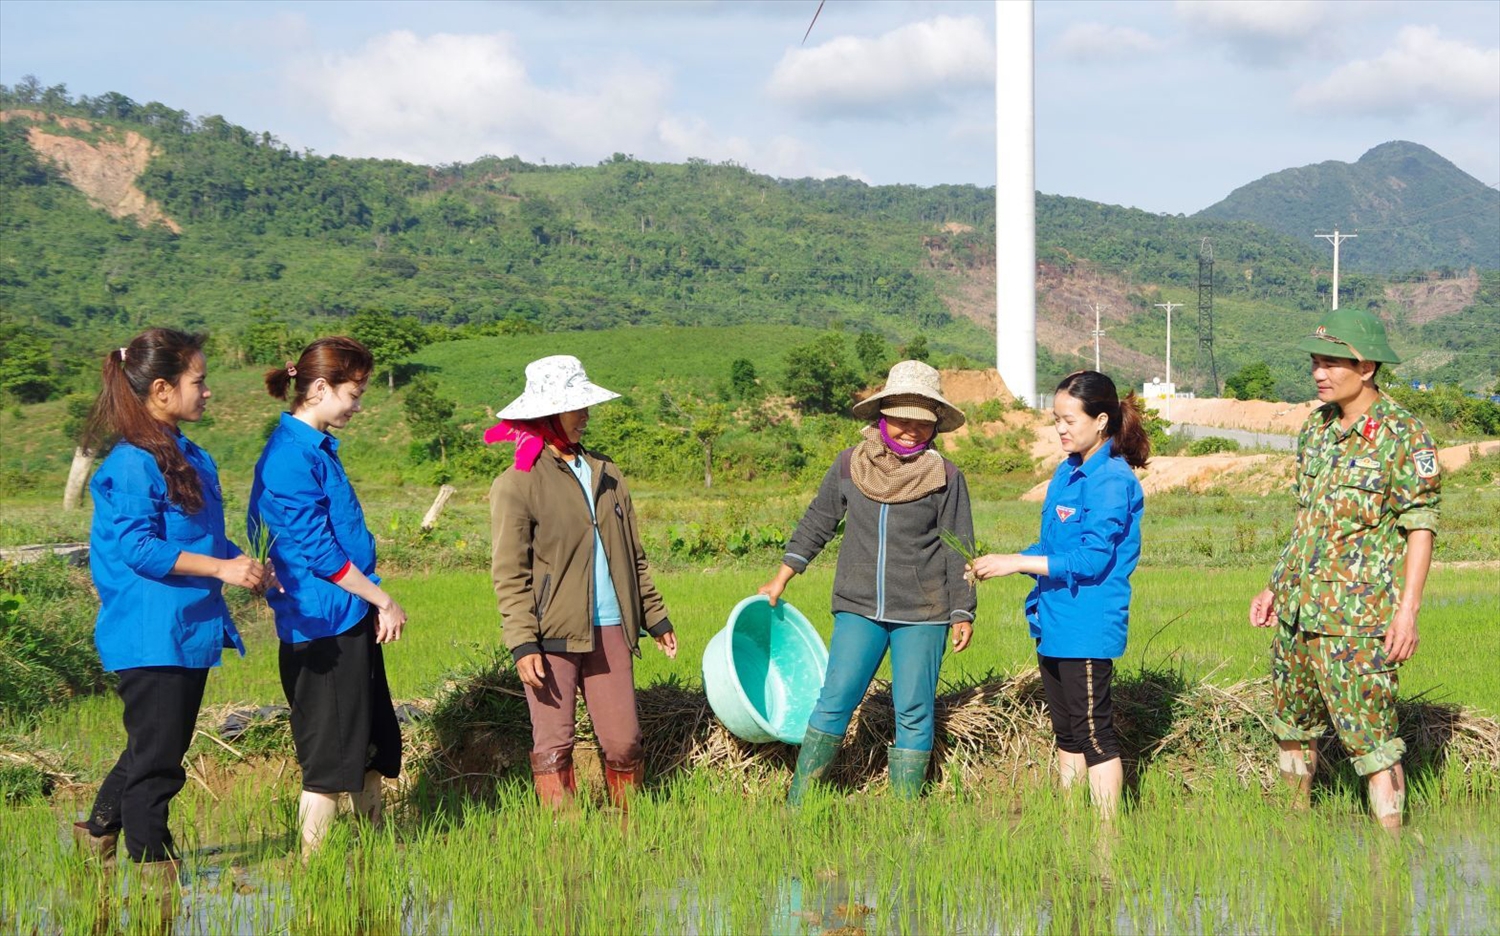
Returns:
(858, 646)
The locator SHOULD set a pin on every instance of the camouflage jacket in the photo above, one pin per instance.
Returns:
(1358, 492)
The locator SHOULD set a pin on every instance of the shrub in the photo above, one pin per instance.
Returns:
(46, 637)
(1212, 445)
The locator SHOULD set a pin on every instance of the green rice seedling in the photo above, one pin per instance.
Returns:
(261, 539)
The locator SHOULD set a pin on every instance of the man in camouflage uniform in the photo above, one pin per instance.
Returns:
(1346, 593)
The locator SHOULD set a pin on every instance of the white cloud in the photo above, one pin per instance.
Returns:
(449, 97)
(906, 70)
(1258, 32)
(1084, 42)
(1422, 70)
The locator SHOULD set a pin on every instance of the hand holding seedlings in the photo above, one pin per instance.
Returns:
(970, 552)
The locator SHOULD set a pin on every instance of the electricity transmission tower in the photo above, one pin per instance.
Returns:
(1335, 239)
(1206, 311)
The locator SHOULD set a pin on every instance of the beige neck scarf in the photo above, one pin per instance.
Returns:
(887, 478)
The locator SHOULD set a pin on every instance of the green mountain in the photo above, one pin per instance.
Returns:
(116, 215)
(246, 230)
(1412, 210)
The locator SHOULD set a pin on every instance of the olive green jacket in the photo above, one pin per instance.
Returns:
(542, 557)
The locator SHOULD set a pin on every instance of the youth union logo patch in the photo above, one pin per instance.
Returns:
(1427, 463)
(1063, 513)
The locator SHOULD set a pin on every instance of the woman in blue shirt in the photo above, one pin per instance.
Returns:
(159, 559)
(331, 614)
(1090, 543)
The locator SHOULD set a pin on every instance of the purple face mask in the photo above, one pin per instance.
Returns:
(905, 451)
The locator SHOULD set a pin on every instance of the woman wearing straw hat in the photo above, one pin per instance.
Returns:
(898, 587)
(571, 578)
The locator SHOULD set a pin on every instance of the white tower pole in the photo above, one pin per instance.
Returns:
(1169, 306)
(1335, 239)
(1098, 333)
(1015, 199)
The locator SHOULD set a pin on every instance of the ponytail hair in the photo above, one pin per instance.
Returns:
(1126, 425)
(120, 411)
(336, 360)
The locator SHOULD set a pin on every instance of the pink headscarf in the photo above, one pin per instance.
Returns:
(530, 436)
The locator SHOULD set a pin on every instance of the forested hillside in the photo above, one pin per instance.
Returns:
(266, 247)
(269, 234)
(1413, 210)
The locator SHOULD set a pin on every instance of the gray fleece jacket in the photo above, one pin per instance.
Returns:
(892, 566)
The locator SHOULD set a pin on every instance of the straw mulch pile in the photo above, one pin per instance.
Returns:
(27, 770)
(1193, 731)
(477, 728)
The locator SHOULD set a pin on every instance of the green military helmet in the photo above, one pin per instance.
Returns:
(1350, 333)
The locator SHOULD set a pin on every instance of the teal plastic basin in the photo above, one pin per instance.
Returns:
(763, 672)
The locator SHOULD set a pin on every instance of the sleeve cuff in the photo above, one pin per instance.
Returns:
(525, 650)
(337, 576)
(661, 628)
(795, 562)
(1422, 518)
(161, 563)
(956, 616)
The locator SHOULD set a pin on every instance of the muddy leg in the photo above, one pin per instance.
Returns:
(1298, 762)
(315, 812)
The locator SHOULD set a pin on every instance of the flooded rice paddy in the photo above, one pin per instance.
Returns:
(702, 856)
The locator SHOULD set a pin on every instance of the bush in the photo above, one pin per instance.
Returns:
(1212, 445)
(1448, 407)
(46, 637)
(1252, 382)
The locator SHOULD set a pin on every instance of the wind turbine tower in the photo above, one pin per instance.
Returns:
(1015, 199)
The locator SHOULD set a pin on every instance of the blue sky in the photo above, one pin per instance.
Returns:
(1166, 106)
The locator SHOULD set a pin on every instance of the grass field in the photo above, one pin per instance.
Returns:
(710, 852)
(705, 854)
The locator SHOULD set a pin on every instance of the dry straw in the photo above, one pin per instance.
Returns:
(477, 729)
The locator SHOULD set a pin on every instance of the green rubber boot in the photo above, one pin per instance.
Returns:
(813, 761)
(908, 771)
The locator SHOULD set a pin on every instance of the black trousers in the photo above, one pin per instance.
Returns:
(1082, 709)
(161, 707)
(343, 721)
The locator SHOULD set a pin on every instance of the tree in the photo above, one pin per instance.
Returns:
(270, 339)
(743, 380)
(705, 422)
(916, 349)
(819, 376)
(1252, 382)
(25, 365)
(430, 415)
(389, 337)
(873, 351)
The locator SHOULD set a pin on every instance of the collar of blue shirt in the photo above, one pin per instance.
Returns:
(1101, 457)
(307, 435)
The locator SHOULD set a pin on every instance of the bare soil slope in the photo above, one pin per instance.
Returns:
(104, 170)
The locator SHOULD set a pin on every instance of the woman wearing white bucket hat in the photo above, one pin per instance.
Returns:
(898, 586)
(571, 579)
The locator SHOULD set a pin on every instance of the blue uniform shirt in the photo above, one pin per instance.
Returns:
(1091, 536)
(147, 615)
(304, 498)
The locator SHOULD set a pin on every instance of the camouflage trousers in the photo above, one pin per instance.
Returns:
(1348, 680)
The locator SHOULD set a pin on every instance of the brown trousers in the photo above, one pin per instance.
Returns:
(608, 682)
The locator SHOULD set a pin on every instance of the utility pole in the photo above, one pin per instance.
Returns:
(1169, 306)
(1097, 333)
(1335, 239)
